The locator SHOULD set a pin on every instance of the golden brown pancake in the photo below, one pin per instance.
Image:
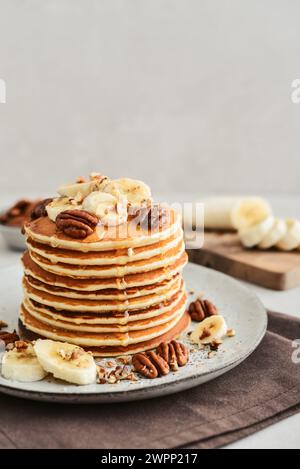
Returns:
(105, 294)
(119, 256)
(173, 333)
(64, 322)
(44, 230)
(90, 339)
(98, 306)
(109, 317)
(94, 284)
(163, 259)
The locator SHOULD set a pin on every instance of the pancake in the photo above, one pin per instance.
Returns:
(62, 322)
(111, 317)
(164, 259)
(120, 256)
(98, 306)
(44, 230)
(116, 351)
(105, 294)
(89, 339)
(95, 284)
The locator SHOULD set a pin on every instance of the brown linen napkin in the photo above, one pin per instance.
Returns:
(264, 389)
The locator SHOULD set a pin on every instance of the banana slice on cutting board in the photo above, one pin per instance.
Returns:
(84, 188)
(22, 365)
(276, 233)
(60, 204)
(250, 211)
(66, 361)
(136, 192)
(110, 210)
(212, 328)
(254, 234)
(291, 239)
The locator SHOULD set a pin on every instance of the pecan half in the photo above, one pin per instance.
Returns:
(201, 309)
(76, 223)
(150, 364)
(9, 337)
(174, 353)
(39, 209)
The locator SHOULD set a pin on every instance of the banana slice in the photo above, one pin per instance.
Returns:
(110, 209)
(66, 361)
(136, 192)
(212, 328)
(276, 233)
(84, 188)
(22, 365)
(291, 239)
(59, 205)
(254, 234)
(250, 211)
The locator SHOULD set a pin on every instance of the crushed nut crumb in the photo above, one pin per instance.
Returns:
(125, 360)
(215, 344)
(211, 354)
(3, 324)
(230, 333)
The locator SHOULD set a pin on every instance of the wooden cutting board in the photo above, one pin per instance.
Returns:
(271, 269)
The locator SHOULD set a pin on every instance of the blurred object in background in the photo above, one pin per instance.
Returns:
(12, 220)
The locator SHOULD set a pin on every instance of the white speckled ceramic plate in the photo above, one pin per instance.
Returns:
(242, 310)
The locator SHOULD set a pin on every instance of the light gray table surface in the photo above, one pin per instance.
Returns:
(285, 434)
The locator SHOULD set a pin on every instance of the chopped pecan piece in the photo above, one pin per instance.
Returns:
(150, 364)
(76, 223)
(201, 309)
(174, 353)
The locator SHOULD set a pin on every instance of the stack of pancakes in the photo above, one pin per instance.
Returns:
(109, 293)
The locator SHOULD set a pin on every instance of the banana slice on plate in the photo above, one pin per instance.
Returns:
(276, 233)
(254, 234)
(212, 328)
(84, 188)
(66, 361)
(291, 239)
(21, 364)
(110, 210)
(250, 211)
(60, 204)
(136, 192)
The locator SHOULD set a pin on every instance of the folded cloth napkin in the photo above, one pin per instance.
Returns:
(265, 388)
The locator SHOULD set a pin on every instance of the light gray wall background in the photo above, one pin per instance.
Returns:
(189, 95)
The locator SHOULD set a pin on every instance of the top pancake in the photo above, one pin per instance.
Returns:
(127, 235)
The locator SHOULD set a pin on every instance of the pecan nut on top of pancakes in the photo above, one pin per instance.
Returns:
(76, 223)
